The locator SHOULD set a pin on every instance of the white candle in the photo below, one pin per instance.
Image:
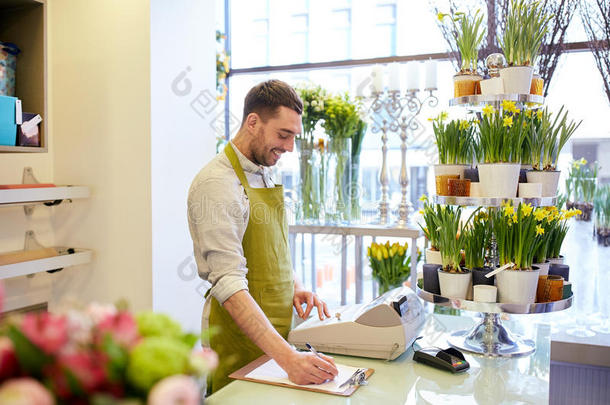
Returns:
(430, 75)
(377, 75)
(413, 76)
(394, 76)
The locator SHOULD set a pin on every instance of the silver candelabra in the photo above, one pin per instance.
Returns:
(396, 112)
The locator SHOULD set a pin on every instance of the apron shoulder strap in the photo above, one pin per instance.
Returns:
(236, 165)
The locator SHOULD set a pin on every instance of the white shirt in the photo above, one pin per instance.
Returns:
(218, 213)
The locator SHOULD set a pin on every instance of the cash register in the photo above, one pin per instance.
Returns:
(382, 329)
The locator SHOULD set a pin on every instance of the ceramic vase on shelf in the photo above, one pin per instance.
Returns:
(499, 179)
(455, 285)
(517, 286)
(548, 178)
(517, 79)
(557, 260)
(466, 84)
(309, 202)
(530, 190)
(337, 200)
(544, 267)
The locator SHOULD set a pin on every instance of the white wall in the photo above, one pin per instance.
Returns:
(182, 140)
(99, 104)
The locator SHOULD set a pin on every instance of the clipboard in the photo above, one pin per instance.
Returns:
(245, 370)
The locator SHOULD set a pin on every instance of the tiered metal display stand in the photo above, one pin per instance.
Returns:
(490, 337)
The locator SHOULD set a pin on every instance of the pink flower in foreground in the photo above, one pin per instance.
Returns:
(8, 360)
(175, 390)
(98, 312)
(122, 327)
(88, 369)
(24, 391)
(47, 331)
(203, 361)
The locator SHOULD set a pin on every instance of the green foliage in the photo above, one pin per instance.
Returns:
(502, 134)
(469, 32)
(477, 238)
(454, 140)
(314, 98)
(582, 181)
(391, 264)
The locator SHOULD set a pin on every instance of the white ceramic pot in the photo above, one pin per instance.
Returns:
(499, 179)
(557, 260)
(485, 293)
(548, 179)
(494, 85)
(544, 267)
(475, 189)
(530, 190)
(517, 79)
(433, 256)
(440, 170)
(517, 286)
(455, 285)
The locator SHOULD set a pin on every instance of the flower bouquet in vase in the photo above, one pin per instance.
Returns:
(430, 213)
(526, 26)
(469, 32)
(455, 143)
(310, 154)
(455, 281)
(100, 355)
(547, 138)
(391, 264)
(601, 205)
(518, 237)
(499, 149)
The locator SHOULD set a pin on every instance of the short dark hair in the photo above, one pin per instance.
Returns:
(265, 99)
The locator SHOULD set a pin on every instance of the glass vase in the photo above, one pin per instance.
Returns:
(337, 198)
(308, 207)
(355, 190)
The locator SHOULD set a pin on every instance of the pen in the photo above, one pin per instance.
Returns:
(311, 349)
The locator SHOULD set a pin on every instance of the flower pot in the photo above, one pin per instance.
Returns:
(517, 79)
(472, 174)
(466, 84)
(557, 260)
(562, 270)
(537, 85)
(475, 189)
(485, 293)
(530, 190)
(548, 179)
(440, 170)
(517, 286)
(455, 285)
(523, 173)
(459, 187)
(499, 179)
(431, 278)
(493, 85)
(544, 267)
(442, 183)
(550, 288)
(478, 276)
(433, 256)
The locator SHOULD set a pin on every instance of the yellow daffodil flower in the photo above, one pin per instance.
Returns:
(509, 106)
(441, 16)
(540, 214)
(423, 198)
(528, 113)
(527, 210)
(488, 110)
(515, 218)
(443, 116)
(507, 122)
(539, 230)
(464, 125)
(509, 210)
(539, 114)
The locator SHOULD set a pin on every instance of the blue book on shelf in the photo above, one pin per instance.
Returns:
(8, 123)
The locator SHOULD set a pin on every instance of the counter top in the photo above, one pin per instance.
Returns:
(488, 381)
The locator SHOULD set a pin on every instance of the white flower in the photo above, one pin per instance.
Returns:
(314, 103)
(175, 390)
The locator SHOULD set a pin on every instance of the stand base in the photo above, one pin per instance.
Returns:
(490, 338)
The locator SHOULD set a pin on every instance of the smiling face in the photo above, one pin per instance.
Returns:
(275, 136)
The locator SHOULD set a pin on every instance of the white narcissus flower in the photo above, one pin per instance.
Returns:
(24, 391)
(314, 103)
(175, 390)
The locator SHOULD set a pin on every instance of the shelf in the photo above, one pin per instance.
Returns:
(81, 256)
(492, 201)
(22, 149)
(30, 196)
(498, 307)
(390, 231)
(477, 102)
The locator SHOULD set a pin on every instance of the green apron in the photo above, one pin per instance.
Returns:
(270, 278)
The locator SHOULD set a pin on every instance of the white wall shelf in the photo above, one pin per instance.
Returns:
(80, 256)
(40, 195)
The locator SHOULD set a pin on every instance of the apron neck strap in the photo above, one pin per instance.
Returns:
(236, 165)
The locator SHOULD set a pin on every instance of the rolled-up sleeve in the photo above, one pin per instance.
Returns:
(218, 215)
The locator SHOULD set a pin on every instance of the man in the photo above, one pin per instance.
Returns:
(237, 223)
